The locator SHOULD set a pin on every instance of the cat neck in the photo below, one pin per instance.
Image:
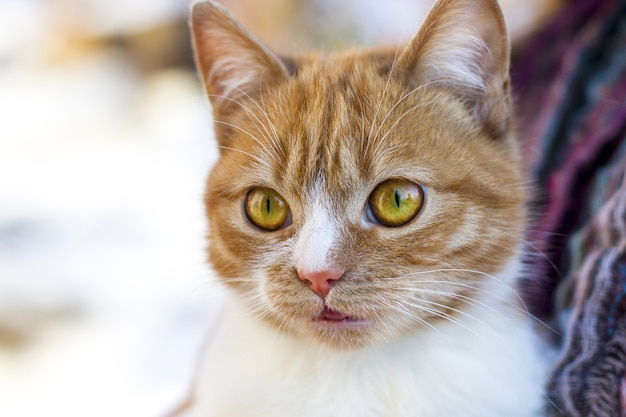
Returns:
(410, 373)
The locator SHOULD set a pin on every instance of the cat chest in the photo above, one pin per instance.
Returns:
(249, 370)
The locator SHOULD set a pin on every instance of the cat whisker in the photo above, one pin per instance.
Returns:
(535, 248)
(363, 142)
(275, 137)
(546, 366)
(205, 294)
(402, 309)
(441, 314)
(253, 157)
(263, 145)
(520, 305)
(543, 255)
(244, 107)
(257, 122)
(471, 301)
(258, 306)
(261, 309)
(383, 96)
(480, 289)
(396, 104)
(477, 272)
(243, 279)
(381, 141)
(447, 307)
(248, 110)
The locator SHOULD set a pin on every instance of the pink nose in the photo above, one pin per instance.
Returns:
(320, 281)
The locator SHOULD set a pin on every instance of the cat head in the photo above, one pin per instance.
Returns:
(363, 195)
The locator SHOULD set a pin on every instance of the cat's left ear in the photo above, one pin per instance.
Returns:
(231, 61)
(463, 46)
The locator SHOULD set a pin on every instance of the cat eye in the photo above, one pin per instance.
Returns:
(396, 202)
(266, 209)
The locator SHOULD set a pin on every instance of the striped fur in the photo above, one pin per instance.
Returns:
(431, 302)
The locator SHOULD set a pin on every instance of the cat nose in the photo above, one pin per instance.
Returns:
(320, 281)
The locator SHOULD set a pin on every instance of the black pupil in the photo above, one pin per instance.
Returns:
(267, 204)
(396, 197)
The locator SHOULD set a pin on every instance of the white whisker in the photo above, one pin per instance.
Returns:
(275, 138)
(253, 157)
(398, 306)
(381, 141)
(383, 97)
(520, 305)
(441, 314)
(271, 139)
(471, 301)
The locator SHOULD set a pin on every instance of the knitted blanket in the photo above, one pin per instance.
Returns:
(570, 83)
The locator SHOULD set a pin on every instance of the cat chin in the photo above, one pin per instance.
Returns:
(326, 327)
(343, 337)
(355, 334)
(340, 331)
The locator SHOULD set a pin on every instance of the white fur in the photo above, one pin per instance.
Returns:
(235, 75)
(316, 239)
(240, 70)
(487, 368)
(456, 59)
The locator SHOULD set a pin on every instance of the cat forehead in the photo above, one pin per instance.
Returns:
(345, 123)
(351, 123)
(344, 82)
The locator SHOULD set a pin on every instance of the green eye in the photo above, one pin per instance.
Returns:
(266, 209)
(395, 202)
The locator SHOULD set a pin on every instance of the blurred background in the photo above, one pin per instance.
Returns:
(105, 143)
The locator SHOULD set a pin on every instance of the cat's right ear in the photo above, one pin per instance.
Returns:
(231, 61)
(463, 46)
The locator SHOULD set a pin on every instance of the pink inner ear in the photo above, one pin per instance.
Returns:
(462, 43)
(232, 61)
(321, 281)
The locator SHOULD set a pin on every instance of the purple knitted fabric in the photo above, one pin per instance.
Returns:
(570, 82)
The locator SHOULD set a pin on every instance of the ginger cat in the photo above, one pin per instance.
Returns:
(366, 216)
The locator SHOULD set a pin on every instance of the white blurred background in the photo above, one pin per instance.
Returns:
(105, 143)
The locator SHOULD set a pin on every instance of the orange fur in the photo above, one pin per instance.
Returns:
(356, 119)
(329, 311)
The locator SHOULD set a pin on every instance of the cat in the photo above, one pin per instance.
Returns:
(366, 216)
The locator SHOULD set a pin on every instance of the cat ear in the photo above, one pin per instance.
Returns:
(463, 46)
(231, 61)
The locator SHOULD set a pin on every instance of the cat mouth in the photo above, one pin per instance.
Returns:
(330, 317)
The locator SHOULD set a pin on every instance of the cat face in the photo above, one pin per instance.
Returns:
(362, 196)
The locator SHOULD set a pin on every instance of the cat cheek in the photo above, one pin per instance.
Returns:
(287, 295)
